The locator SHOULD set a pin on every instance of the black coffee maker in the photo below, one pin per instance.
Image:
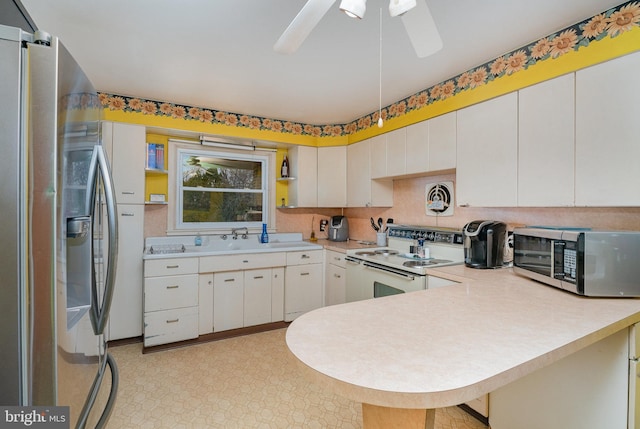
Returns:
(484, 243)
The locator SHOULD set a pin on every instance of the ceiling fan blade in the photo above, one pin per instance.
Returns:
(304, 22)
(422, 30)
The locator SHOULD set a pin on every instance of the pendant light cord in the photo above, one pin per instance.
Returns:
(380, 77)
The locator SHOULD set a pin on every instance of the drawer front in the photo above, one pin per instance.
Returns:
(247, 261)
(335, 258)
(170, 267)
(163, 293)
(304, 257)
(161, 327)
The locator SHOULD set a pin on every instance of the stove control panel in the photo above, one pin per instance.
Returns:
(430, 235)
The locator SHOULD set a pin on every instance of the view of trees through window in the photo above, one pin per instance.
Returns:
(218, 188)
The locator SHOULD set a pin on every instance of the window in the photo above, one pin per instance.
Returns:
(218, 190)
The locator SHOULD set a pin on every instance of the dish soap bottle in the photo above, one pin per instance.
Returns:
(264, 237)
(198, 240)
(284, 170)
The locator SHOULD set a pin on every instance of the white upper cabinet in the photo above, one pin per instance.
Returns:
(442, 143)
(362, 191)
(378, 156)
(396, 150)
(358, 174)
(126, 144)
(332, 176)
(487, 153)
(417, 148)
(303, 191)
(607, 133)
(546, 143)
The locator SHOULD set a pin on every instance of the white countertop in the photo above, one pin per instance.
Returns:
(445, 346)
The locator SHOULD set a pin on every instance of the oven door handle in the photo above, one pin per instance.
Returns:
(353, 260)
(390, 270)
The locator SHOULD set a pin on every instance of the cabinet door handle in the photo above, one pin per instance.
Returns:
(305, 256)
(229, 280)
(128, 193)
(173, 321)
(337, 258)
(258, 277)
(127, 214)
(173, 266)
(304, 274)
(245, 261)
(337, 276)
(173, 287)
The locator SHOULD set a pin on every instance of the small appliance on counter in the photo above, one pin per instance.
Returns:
(484, 243)
(338, 228)
(579, 260)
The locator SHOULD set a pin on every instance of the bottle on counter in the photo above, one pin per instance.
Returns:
(420, 251)
(284, 170)
(264, 237)
(198, 240)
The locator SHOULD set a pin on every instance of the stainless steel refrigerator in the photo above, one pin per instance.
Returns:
(58, 234)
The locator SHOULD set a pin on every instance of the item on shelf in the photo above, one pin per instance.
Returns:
(160, 156)
(151, 155)
(157, 198)
(284, 170)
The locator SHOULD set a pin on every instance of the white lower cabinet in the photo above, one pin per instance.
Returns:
(228, 300)
(303, 289)
(277, 294)
(257, 297)
(170, 300)
(205, 304)
(335, 284)
(245, 298)
(125, 319)
(246, 290)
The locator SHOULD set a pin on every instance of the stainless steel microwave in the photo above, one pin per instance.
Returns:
(582, 261)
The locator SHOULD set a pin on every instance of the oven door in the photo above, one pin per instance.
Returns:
(382, 281)
(366, 280)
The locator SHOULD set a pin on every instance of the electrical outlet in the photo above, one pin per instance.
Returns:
(323, 224)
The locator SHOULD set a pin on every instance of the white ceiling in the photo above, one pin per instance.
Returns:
(218, 54)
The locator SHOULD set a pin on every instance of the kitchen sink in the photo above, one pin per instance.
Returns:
(216, 245)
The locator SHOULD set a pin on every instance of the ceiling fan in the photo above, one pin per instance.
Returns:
(415, 16)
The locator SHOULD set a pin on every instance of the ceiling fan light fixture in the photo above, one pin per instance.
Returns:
(354, 8)
(400, 7)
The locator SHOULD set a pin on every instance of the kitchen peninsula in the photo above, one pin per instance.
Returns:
(405, 355)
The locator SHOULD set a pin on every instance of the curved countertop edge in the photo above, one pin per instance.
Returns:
(307, 342)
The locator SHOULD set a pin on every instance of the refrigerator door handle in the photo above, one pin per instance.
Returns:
(100, 311)
(93, 394)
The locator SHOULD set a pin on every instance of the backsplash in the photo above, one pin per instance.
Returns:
(409, 208)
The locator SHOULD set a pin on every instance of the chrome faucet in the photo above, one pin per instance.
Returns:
(234, 232)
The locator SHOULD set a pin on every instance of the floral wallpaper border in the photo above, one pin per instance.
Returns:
(611, 23)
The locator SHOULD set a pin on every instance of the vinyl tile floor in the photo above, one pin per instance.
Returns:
(245, 382)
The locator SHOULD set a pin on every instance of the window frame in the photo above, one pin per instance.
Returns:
(178, 148)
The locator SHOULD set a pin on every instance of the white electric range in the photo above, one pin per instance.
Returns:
(381, 271)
